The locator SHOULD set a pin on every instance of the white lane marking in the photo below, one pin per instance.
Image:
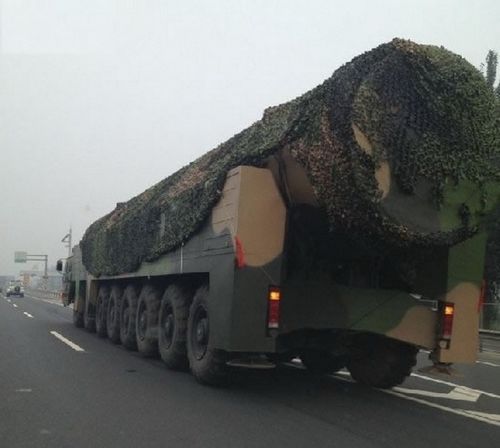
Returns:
(67, 341)
(8, 300)
(491, 419)
(28, 315)
(23, 390)
(458, 393)
(495, 417)
(14, 305)
(484, 417)
(486, 363)
(448, 383)
(52, 302)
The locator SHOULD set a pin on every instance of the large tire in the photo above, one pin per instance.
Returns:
(128, 312)
(208, 365)
(146, 321)
(382, 362)
(322, 362)
(89, 317)
(101, 308)
(113, 314)
(172, 328)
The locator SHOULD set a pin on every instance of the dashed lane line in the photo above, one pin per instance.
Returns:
(28, 315)
(14, 305)
(74, 346)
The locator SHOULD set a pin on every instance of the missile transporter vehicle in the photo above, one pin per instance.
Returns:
(346, 227)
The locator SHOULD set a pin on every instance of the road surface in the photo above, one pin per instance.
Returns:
(63, 387)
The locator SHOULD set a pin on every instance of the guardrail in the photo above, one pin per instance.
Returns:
(489, 318)
(43, 293)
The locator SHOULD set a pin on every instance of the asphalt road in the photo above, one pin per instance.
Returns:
(63, 387)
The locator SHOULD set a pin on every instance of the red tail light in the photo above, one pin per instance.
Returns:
(273, 307)
(240, 255)
(482, 295)
(447, 323)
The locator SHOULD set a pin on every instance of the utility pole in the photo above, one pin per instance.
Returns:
(67, 239)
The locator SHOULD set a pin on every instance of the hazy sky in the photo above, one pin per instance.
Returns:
(100, 99)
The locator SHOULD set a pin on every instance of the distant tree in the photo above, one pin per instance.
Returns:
(491, 314)
(491, 68)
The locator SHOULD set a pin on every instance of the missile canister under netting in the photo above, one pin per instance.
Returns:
(397, 145)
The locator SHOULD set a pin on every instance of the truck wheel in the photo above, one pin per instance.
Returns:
(146, 321)
(89, 317)
(207, 364)
(172, 334)
(113, 314)
(383, 364)
(322, 362)
(100, 311)
(77, 318)
(128, 311)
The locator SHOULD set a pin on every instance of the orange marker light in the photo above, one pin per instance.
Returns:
(274, 295)
(273, 308)
(447, 322)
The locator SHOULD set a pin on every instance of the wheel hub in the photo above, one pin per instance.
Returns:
(168, 325)
(143, 323)
(200, 333)
(126, 317)
(112, 311)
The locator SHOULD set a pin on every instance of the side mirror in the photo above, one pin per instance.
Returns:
(59, 266)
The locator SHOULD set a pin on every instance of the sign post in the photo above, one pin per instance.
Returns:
(23, 257)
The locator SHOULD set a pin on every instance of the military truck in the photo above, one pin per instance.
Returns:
(346, 228)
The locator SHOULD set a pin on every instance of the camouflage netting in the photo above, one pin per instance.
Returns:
(425, 111)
